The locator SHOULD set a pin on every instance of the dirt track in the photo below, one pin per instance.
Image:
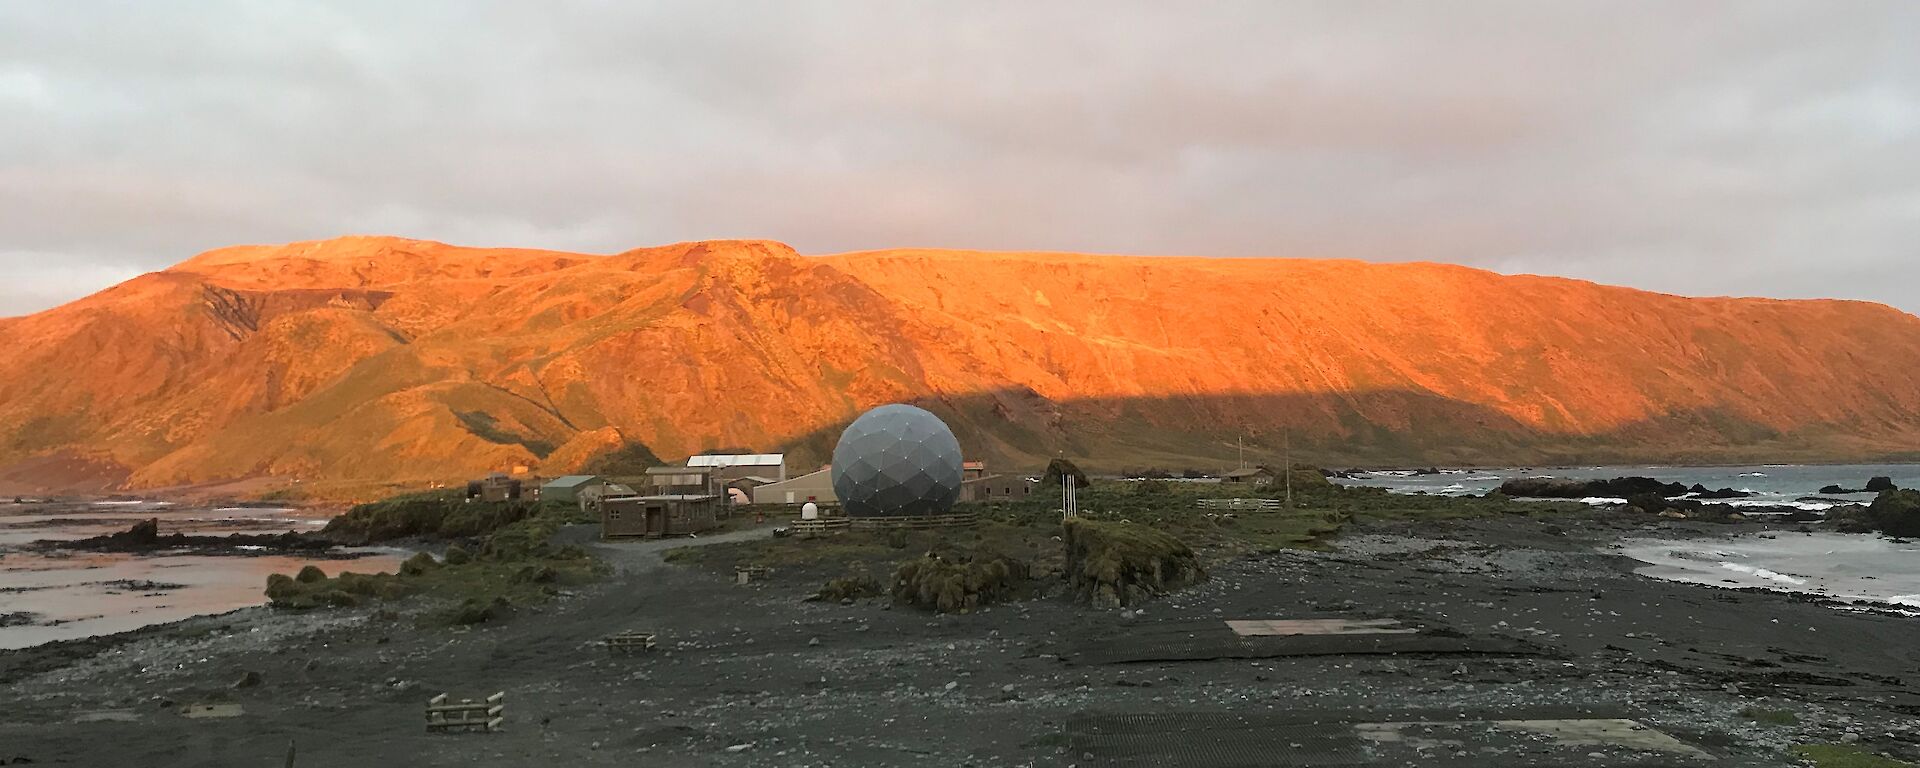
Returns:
(754, 676)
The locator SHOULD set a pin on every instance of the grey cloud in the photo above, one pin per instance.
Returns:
(1755, 148)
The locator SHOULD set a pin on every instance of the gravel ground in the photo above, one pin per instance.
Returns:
(755, 676)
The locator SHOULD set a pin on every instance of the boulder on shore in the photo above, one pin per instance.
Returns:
(1874, 485)
(1700, 492)
(1562, 488)
(1896, 512)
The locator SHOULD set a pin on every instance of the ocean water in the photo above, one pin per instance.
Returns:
(1773, 484)
(54, 595)
(1836, 565)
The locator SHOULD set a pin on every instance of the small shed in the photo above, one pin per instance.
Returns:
(1254, 476)
(996, 488)
(494, 487)
(656, 516)
(570, 488)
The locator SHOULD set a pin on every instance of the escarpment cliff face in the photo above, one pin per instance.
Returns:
(383, 359)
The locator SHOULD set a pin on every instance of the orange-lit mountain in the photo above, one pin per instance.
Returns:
(398, 360)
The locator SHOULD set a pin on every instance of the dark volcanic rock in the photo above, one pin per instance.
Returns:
(1700, 492)
(145, 532)
(145, 536)
(1853, 518)
(1875, 485)
(1561, 488)
(18, 619)
(1896, 513)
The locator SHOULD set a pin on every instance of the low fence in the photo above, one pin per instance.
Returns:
(824, 525)
(1254, 505)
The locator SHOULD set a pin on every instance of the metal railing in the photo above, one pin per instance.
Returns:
(1258, 505)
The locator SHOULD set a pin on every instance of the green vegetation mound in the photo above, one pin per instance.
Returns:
(512, 560)
(958, 583)
(858, 583)
(1118, 563)
(441, 514)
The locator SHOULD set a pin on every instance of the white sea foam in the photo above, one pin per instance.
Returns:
(1844, 567)
(1762, 573)
(1811, 506)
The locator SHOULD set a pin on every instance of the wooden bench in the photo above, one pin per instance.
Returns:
(630, 642)
(466, 714)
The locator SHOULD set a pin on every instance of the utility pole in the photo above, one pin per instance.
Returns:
(1286, 458)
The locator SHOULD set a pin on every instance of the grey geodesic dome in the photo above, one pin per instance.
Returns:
(896, 461)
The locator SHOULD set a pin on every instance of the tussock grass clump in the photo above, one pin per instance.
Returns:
(285, 591)
(1116, 563)
(474, 610)
(508, 561)
(858, 583)
(420, 563)
(442, 514)
(957, 583)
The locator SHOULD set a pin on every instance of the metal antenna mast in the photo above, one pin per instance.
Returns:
(1286, 457)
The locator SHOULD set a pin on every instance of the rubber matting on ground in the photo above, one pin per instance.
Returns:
(1193, 721)
(1307, 738)
(1288, 746)
(1202, 641)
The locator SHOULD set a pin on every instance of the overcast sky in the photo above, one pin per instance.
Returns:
(1745, 148)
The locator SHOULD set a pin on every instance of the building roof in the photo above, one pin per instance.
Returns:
(738, 460)
(809, 477)
(571, 481)
(651, 471)
(1248, 472)
(996, 478)
(973, 465)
